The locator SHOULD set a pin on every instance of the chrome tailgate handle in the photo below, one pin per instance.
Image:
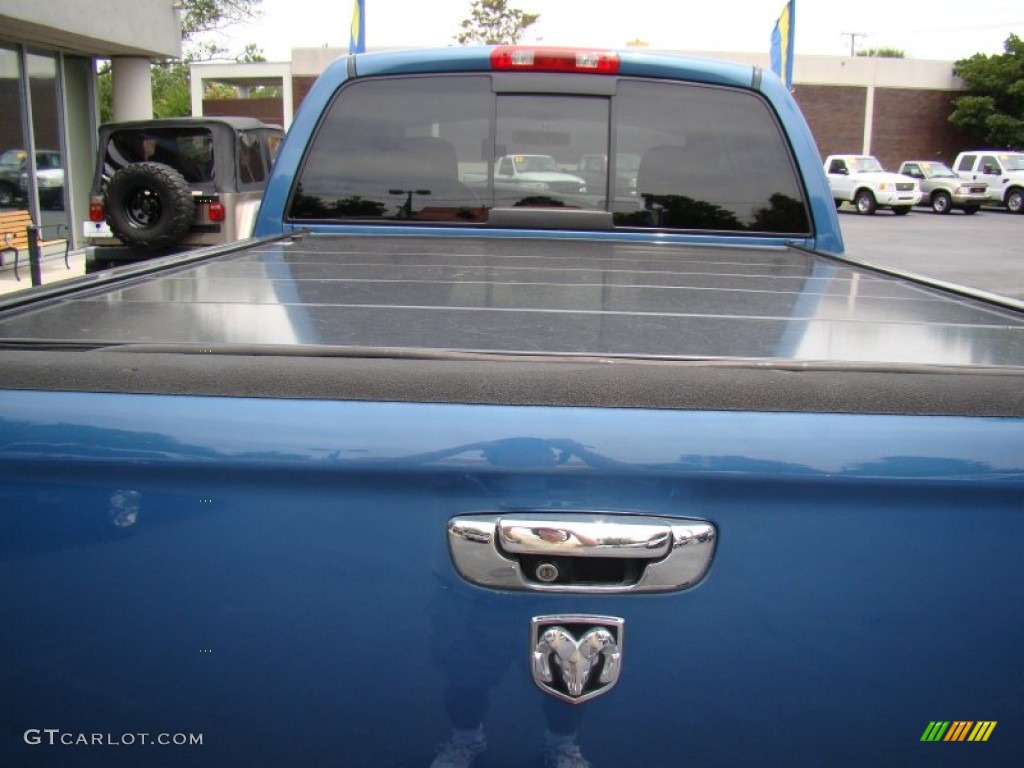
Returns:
(577, 552)
(585, 536)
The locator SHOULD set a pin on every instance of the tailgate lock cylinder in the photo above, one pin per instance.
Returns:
(581, 552)
(547, 572)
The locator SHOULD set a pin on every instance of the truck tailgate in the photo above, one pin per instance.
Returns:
(226, 491)
(274, 575)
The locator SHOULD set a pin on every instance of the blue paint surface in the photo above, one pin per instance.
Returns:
(286, 589)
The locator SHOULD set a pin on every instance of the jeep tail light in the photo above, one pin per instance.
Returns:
(96, 212)
(215, 211)
(515, 58)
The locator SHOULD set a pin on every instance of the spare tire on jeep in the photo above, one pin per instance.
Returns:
(149, 205)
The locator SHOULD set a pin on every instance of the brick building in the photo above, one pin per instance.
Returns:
(895, 109)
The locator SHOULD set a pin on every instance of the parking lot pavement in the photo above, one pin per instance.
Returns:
(984, 251)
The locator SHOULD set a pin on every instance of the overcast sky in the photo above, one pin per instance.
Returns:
(924, 29)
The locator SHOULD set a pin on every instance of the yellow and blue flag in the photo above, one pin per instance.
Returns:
(357, 33)
(782, 44)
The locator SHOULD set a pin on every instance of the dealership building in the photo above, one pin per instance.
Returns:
(50, 51)
(895, 109)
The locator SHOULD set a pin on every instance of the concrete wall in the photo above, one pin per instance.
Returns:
(81, 140)
(94, 27)
(243, 77)
(132, 88)
(312, 61)
(267, 110)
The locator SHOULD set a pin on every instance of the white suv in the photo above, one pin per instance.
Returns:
(861, 180)
(1003, 171)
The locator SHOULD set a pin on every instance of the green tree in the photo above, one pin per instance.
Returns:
(492, 22)
(105, 92)
(172, 90)
(993, 109)
(252, 53)
(201, 16)
(171, 83)
(883, 53)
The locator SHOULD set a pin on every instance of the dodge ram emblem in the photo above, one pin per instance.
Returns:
(576, 657)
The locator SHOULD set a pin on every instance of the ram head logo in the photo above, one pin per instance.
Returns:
(576, 657)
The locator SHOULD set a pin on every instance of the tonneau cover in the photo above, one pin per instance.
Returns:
(521, 295)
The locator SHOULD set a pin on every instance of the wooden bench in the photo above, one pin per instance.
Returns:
(14, 236)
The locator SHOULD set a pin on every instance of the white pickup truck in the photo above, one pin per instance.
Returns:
(519, 176)
(1003, 171)
(861, 180)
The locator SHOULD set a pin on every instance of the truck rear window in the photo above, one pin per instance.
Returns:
(449, 149)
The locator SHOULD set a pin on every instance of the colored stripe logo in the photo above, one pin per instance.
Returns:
(958, 730)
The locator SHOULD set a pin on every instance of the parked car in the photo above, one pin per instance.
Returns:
(861, 180)
(1003, 172)
(173, 184)
(942, 189)
(14, 170)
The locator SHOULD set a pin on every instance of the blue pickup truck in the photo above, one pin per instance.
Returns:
(425, 474)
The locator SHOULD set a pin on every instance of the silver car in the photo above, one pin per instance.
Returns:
(944, 190)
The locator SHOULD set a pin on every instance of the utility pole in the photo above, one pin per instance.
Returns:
(853, 40)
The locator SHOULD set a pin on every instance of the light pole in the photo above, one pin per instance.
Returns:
(407, 206)
(853, 40)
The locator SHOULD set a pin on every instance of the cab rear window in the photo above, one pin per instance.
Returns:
(448, 149)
